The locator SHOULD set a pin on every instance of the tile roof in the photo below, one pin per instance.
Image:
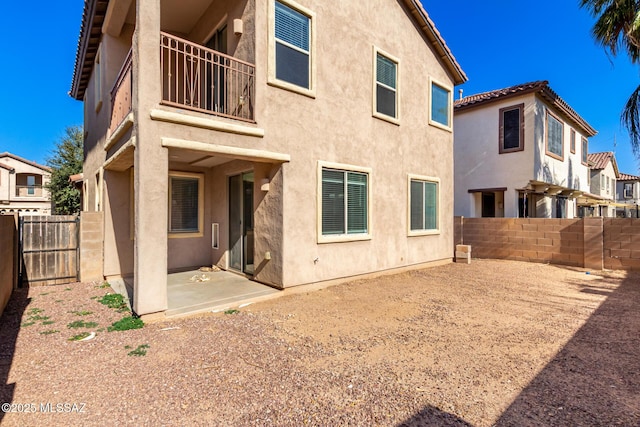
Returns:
(599, 161)
(88, 42)
(627, 177)
(95, 11)
(7, 167)
(540, 87)
(20, 159)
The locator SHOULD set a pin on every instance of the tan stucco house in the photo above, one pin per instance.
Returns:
(628, 195)
(292, 141)
(23, 186)
(520, 152)
(601, 200)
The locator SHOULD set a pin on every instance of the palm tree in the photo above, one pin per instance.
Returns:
(617, 28)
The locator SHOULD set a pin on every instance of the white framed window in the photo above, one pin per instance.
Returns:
(186, 204)
(344, 194)
(555, 137)
(585, 151)
(440, 104)
(385, 86)
(424, 205)
(291, 47)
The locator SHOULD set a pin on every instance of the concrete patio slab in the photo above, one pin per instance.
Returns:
(192, 292)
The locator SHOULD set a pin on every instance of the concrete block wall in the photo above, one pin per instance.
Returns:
(621, 243)
(8, 253)
(556, 241)
(91, 246)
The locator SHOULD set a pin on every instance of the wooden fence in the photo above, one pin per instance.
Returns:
(48, 249)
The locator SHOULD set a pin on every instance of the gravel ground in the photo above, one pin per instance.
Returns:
(491, 343)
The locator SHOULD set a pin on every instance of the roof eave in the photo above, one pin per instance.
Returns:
(433, 36)
(90, 30)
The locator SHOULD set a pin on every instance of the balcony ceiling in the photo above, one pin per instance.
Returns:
(180, 16)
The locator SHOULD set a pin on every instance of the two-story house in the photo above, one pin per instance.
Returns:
(291, 141)
(22, 186)
(627, 196)
(601, 200)
(519, 152)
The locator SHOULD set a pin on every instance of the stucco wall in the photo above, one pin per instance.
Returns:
(39, 202)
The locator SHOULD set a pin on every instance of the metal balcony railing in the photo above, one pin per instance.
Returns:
(121, 95)
(205, 80)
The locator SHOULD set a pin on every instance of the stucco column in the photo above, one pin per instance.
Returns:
(150, 167)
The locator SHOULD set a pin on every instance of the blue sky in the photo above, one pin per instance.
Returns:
(498, 43)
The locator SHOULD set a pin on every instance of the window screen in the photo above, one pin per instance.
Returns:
(292, 31)
(386, 84)
(344, 202)
(424, 205)
(511, 129)
(184, 204)
(554, 135)
(439, 105)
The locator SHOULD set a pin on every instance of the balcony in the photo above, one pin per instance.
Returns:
(201, 79)
(121, 95)
(29, 191)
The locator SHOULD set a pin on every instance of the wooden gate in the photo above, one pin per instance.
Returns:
(49, 249)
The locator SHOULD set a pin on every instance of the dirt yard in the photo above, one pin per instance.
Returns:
(491, 343)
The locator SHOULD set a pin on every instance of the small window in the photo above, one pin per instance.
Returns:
(572, 141)
(291, 47)
(344, 203)
(512, 129)
(628, 190)
(555, 129)
(585, 151)
(385, 103)
(423, 205)
(440, 105)
(185, 204)
(31, 185)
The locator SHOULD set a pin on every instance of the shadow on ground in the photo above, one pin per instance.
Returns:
(432, 416)
(9, 328)
(595, 378)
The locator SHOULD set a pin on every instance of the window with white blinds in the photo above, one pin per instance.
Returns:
(292, 45)
(345, 207)
(423, 205)
(386, 85)
(185, 203)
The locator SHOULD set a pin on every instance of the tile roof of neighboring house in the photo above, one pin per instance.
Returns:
(7, 167)
(627, 177)
(34, 164)
(95, 11)
(540, 87)
(600, 161)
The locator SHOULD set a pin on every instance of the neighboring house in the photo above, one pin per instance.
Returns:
(627, 196)
(519, 152)
(22, 186)
(291, 141)
(602, 198)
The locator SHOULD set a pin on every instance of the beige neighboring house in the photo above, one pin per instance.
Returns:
(628, 196)
(601, 200)
(22, 186)
(294, 142)
(520, 152)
